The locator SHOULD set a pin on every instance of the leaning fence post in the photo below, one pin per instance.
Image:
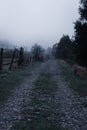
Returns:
(12, 59)
(1, 59)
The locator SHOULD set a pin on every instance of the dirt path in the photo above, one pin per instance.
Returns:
(74, 115)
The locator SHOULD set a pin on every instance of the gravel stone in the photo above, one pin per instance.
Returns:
(73, 114)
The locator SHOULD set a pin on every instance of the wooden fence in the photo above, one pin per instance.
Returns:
(13, 58)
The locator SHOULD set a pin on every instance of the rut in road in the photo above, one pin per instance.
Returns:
(74, 115)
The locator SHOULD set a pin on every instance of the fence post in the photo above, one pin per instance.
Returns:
(12, 59)
(1, 59)
(21, 57)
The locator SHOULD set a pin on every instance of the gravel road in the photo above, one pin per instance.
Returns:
(74, 115)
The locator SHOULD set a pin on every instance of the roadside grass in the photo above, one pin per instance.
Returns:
(76, 83)
(11, 79)
(42, 113)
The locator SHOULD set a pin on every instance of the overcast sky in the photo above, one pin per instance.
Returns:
(37, 21)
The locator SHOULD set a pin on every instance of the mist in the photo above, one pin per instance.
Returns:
(25, 22)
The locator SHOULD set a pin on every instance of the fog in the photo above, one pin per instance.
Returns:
(25, 22)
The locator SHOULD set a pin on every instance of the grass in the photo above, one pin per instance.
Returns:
(45, 83)
(11, 79)
(41, 114)
(78, 85)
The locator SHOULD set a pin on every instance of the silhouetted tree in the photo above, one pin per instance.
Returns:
(37, 52)
(81, 33)
(83, 9)
(64, 49)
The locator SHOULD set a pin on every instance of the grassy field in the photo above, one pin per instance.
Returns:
(76, 83)
(41, 114)
(11, 79)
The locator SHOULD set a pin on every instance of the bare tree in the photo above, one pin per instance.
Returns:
(37, 52)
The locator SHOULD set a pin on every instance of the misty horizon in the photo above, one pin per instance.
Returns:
(26, 22)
